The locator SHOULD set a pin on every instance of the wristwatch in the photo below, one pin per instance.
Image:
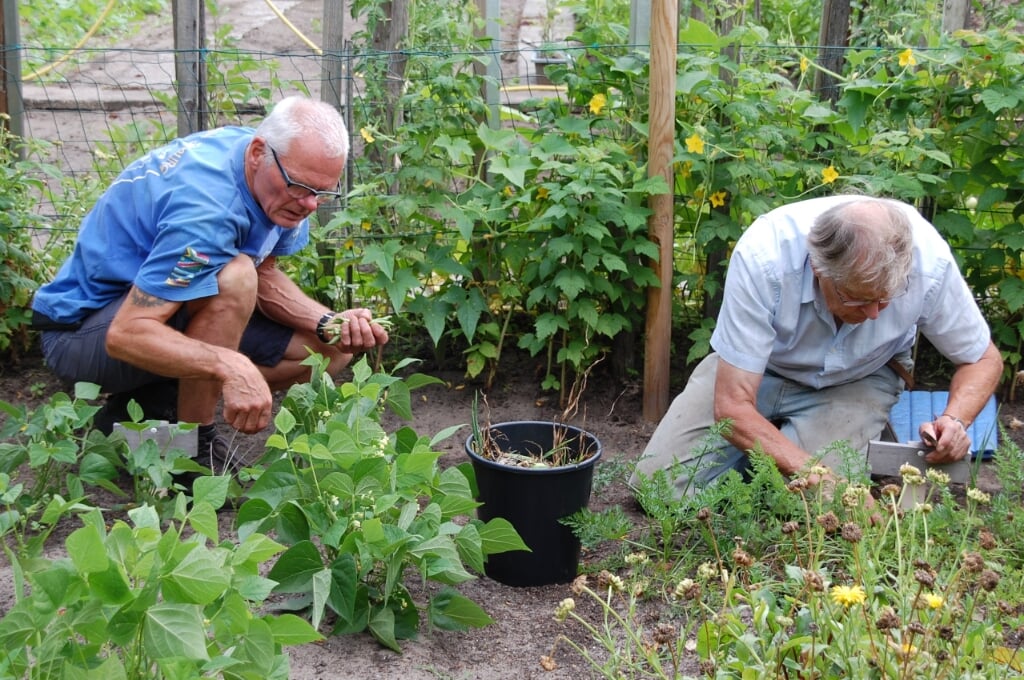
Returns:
(321, 327)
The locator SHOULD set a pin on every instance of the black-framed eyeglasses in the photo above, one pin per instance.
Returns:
(298, 190)
(862, 303)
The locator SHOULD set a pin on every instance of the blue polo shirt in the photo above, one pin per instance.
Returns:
(774, 317)
(168, 224)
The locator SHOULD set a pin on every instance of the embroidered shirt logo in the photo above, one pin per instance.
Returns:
(190, 264)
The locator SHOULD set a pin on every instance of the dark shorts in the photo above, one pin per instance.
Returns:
(80, 355)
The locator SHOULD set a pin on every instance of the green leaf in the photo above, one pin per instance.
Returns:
(513, 169)
(174, 629)
(450, 610)
(289, 629)
(284, 421)
(85, 547)
(109, 586)
(295, 568)
(200, 578)
(203, 519)
(252, 517)
(498, 536)
(382, 627)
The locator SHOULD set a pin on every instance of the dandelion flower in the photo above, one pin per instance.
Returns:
(829, 175)
(907, 58)
(848, 595)
(933, 601)
(694, 144)
(597, 103)
(367, 135)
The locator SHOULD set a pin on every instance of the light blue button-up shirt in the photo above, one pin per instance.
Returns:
(774, 317)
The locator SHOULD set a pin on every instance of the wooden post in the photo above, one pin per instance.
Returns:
(490, 12)
(833, 38)
(331, 65)
(661, 228)
(954, 15)
(10, 71)
(190, 64)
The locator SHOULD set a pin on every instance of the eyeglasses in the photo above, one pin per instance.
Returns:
(298, 190)
(861, 303)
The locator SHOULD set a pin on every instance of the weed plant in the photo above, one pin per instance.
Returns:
(830, 587)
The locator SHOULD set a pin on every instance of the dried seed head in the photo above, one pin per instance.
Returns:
(924, 577)
(851, 532)
(563, 609)
(987, 540)
(829, 522)
(916, 627)
(814, 581)
(548, 663)
(973, 562)
(790, 527)
(665, 633)
(704, 514)
(891, 490)
(887, 619)
(741, 558)
(579, 584)
(989, 580)
(798, 485)
(979, 496)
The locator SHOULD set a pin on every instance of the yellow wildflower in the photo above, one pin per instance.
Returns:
(829, 175)
(694, 144)
(349, 244)
(848, 595)
(508, 191)
(367, 135)
(718, 199)
(933, 600)
(804, 63)
(687, 169)
(907, 58)
(542, 193)
(365, 224)
(597, 103)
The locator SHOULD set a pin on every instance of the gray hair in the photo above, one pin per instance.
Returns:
(865, 242)
(296, 116)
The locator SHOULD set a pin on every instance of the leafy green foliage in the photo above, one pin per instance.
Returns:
(358, 508)
(137, 600)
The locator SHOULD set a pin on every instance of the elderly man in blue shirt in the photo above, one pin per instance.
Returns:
(823, 302)
(174, 280)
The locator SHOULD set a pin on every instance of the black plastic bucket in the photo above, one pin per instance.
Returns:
(533, 499)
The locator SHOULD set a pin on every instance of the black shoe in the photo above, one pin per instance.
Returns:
(159, 401)
(214, 452)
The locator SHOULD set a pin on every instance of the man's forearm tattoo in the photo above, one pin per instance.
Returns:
(145, 299)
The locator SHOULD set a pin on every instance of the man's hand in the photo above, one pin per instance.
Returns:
(248, 402)
(948, 438)
(355, 330)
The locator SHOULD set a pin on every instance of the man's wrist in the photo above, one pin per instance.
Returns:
(321, 327)
(955, 419)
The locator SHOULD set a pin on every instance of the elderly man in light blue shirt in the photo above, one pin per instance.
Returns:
(823, 301)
